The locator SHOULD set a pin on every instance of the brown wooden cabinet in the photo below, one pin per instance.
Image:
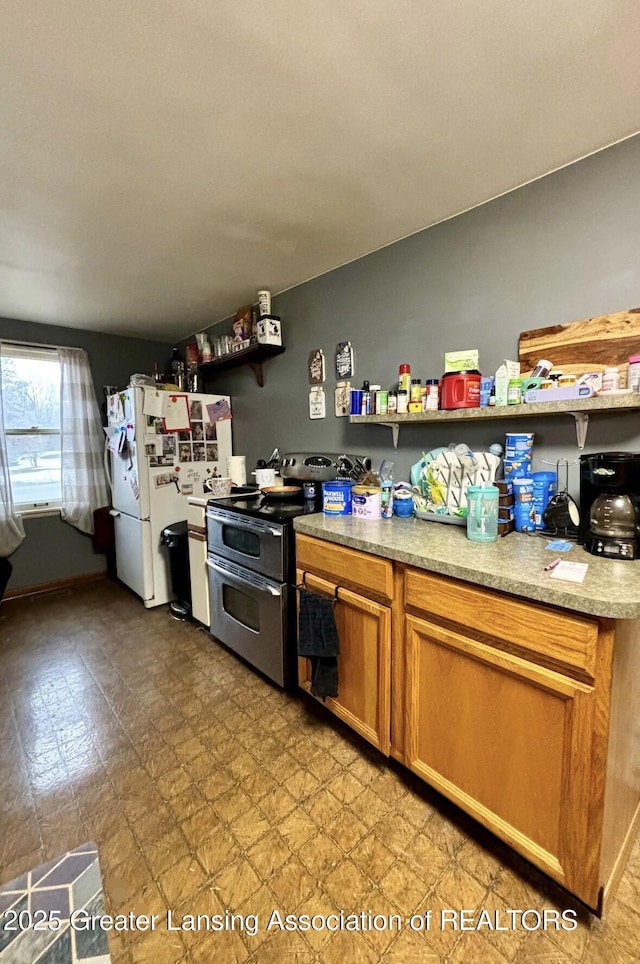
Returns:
(364, 628)
(523, 714)
(509, 741)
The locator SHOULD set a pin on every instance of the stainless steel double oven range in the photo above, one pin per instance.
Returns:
(251, 562)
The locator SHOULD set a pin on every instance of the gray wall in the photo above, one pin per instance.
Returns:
(53, 549)
(563, 248)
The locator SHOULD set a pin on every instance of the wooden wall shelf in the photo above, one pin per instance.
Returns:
(253, 357)
(579, 408)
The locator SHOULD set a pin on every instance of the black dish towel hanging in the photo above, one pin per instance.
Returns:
(318, 641)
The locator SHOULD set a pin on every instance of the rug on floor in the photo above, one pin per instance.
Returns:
(30, 905)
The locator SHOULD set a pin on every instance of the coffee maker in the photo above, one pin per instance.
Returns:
(610, 504)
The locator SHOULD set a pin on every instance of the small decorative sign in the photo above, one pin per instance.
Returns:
(316, 366)
(344, 359)
(342, 399)
(317, 408)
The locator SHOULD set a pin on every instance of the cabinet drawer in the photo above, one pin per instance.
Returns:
(555, 637)
(346, 567)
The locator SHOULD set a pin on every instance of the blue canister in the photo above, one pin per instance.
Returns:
(403, 507)
(519, 445)
(544, 487)
(523, 512)
(356, 402)
(517, 468)
(336, 497)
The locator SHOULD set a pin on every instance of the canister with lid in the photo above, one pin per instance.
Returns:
(611, 379)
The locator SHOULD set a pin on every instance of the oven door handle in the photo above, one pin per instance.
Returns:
(241, 524)
(225, 572)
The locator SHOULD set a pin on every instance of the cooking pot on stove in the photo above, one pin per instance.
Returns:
(460, 389)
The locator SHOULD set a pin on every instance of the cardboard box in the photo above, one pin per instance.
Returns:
(269, 330)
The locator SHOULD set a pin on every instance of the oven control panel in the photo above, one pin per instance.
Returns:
(313, 467)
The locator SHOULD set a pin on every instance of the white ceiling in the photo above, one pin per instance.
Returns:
(160, 161)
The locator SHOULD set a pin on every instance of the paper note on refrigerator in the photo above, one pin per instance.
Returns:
(218, 411)
(155, 403)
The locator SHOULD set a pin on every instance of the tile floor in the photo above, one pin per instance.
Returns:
(207, 789)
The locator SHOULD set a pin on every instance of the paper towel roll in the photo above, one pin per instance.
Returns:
(237, 469)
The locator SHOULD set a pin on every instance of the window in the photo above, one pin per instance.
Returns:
(31, 403)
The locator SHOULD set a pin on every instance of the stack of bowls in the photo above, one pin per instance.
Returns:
(506, 503)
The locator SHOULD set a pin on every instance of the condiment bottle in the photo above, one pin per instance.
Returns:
(514, 392)
(634, 373)
(404, 378)
(374, 389)
(611, 379)
(392, 403)
(403, 402)
(416, 389)
(366, 399)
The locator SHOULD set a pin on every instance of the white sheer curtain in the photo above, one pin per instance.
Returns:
(11, 528)
(84, 486)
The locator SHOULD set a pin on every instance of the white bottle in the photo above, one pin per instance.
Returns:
(611, 379)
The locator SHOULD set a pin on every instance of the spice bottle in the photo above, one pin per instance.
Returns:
(374, 389)
(634, 373)
(433, 394)
(416, 389)
(392, 403)
(611, 379)
(403, 402)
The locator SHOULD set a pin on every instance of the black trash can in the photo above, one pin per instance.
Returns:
(176, 538)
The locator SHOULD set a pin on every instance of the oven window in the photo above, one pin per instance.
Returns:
(242, 607)
(248, 543)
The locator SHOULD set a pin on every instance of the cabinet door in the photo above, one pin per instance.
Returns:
(510, 742)
(199, 577)
(364, 629)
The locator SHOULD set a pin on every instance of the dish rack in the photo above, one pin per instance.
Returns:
(447, 476)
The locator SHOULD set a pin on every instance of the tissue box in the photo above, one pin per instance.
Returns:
(269, 330)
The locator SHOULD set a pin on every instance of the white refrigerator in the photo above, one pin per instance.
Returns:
(162, 447)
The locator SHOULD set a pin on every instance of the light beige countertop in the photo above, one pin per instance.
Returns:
(514, 564)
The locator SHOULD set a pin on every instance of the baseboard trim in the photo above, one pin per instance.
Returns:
(55, 586)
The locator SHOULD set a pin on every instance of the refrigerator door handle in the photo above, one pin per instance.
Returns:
(114, 513)
(107, 467)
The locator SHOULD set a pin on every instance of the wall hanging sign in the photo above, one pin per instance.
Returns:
(317, 407)
(344, 359)
(176, 418)
(316, 366)
(342, 399)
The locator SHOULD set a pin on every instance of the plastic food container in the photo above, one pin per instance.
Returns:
(366, 502)
(403, 508)
(519, 445)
